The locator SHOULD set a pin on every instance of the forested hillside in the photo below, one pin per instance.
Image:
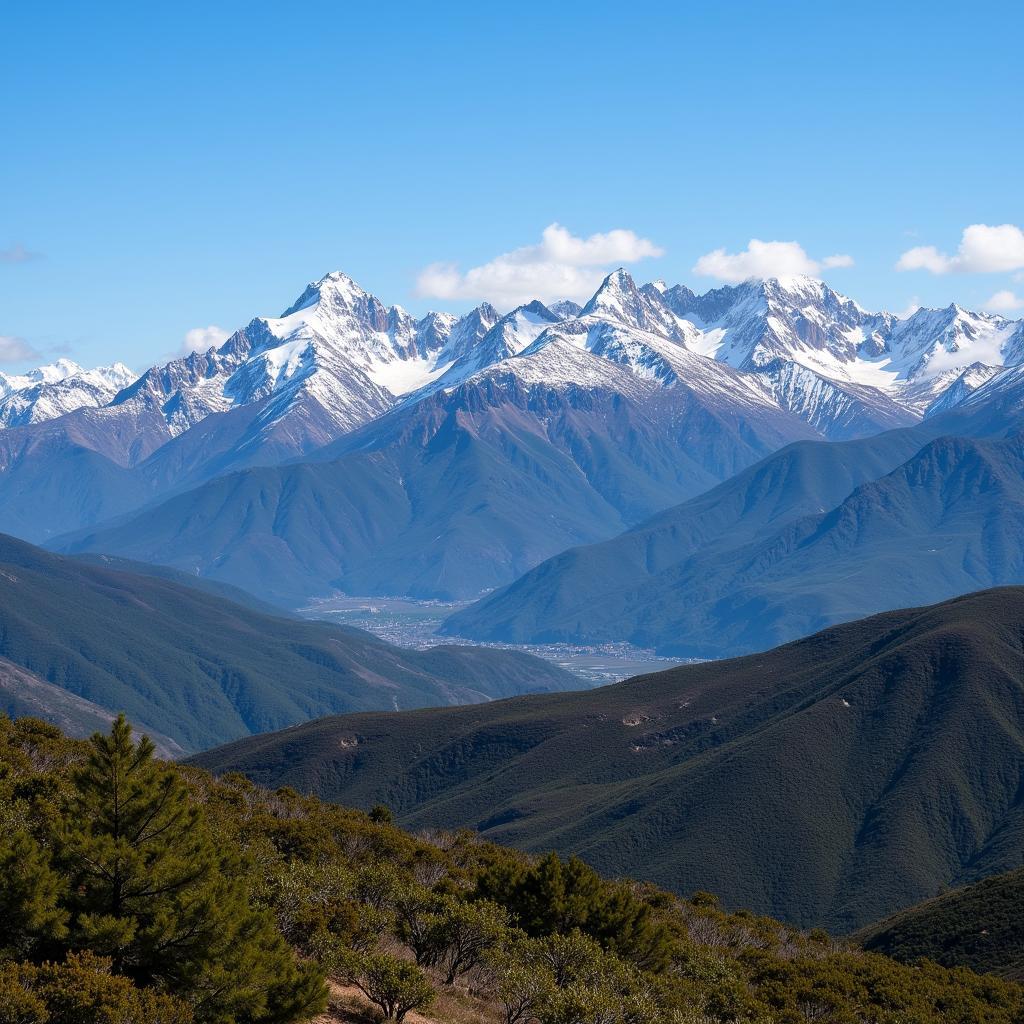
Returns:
(829, 782)
(99, 636)
(980, 926)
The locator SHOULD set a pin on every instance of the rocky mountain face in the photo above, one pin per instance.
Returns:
(591, 418)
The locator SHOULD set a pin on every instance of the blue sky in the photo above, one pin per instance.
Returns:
(170, 168)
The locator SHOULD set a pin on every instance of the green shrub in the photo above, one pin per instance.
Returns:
(394, 985)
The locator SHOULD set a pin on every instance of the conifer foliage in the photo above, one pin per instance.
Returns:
(136, 879)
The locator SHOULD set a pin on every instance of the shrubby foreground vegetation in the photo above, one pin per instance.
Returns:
(134, 891)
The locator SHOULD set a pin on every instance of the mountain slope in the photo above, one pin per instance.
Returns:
(593, 592)
(200, 669)
(791, 546)
(164, 572)
(558, 940)
(979, 926)
(830, 781)
(23, 693)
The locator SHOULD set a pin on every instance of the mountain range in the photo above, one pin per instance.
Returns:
(708, 475)
(346, 445)
(830, 781)
(813, 535)
(61, 387)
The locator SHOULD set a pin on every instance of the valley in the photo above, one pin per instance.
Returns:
(409, 623)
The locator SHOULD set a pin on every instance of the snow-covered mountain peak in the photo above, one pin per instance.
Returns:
(617, 296)
(976, 375)
(117, 375)
(49, 374)
(467, 332)
(794, 285)
(619, 299)
(566, 308)
(931, 342)
(55, 371)
(483, 338)
(333, 289)
(339, 328)
(512, 333)
(649, 357)
(62, 387)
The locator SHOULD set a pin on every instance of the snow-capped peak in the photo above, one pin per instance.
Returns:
(116, 375)
(566, 308)
(620, 300)
(49, 374)
(617, 297)
(335, 288)
(794, 284)
(62, 387)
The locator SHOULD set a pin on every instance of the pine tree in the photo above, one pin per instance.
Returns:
(556, 897)
(150, 890)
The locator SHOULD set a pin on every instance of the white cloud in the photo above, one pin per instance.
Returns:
(13, 349)
(560, 266)
(618, 246)
(924, 257)
(202, 339)
(984, 249)
(17, 253)
(1005, 301)
(764, 259)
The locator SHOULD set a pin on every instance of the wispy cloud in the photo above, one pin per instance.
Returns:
(1005, 301)
(561, 266)
(17, 253)
(984, 249)
(14, 349)
(765, 259)
(202, 339)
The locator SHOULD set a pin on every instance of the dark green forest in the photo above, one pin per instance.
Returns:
(980, 926)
